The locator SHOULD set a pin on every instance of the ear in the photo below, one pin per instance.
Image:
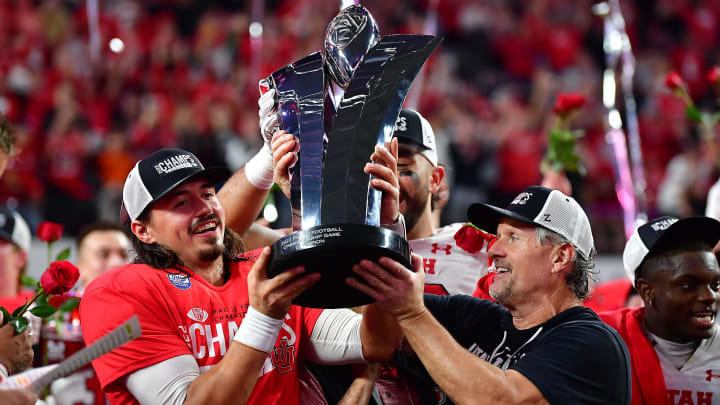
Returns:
(645, 290)
(22, 258)
(437, 174)
(563, 257)
(142, 232)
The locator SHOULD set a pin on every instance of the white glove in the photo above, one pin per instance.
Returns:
(267, 113)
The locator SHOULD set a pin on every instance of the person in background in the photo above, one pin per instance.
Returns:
(101, 246)
(16, 353)
(674, 340)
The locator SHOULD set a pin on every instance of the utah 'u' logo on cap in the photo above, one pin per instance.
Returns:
(522, 198)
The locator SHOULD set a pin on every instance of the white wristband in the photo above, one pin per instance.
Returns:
(258, 331)
(4, 372)
(259, 169)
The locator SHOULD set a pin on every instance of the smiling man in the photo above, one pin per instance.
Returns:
(540, 346)
(673, 341)
(216, 330)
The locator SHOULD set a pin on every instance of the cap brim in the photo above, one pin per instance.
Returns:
(703, 228)
(487, 217)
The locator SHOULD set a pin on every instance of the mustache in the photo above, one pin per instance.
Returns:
(501, 263)
(209, 217)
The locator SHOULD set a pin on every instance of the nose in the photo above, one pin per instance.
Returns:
(708, 295)
(495, 248)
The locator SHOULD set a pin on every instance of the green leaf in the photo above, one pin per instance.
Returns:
(43, 311)
(693, 113)
(17, 310)
(42, 299)
(63, 255)
(6, 315)
(70, 305)
(19, 324)
(28, 282)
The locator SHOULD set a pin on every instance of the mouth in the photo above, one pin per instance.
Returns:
(703, 319)
(205, 227)
(501, 269)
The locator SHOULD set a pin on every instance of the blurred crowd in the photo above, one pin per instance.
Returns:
(184, 73)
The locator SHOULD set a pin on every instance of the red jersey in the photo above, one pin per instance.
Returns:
(183, 314)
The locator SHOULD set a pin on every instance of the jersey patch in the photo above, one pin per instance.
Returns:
(181, 281)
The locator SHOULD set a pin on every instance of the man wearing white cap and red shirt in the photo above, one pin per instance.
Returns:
(674, 341)
(209, 317)
(16, 353)
(541, 345)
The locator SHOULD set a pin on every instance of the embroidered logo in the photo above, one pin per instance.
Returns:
(663, 225)
(175, 163)
(521, 199)
(401, 124)
(197, 314)
(181, 281)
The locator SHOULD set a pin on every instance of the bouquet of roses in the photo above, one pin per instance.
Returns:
(51, 292)
(561, 155)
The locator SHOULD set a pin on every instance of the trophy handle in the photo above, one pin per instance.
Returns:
(300, 89)
(378, 89)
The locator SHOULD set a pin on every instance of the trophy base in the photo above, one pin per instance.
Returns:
(332, 250)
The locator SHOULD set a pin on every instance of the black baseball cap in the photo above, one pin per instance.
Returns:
(540, 206)
(651, 236)
(13, 228)
(411, 127)
(158, 174)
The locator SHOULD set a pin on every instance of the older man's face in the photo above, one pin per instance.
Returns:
(520, 261)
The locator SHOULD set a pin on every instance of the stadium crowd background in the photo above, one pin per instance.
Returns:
(183, 78)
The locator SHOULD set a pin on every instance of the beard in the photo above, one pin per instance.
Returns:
(501, 290)
(211, 253)
(415, 204)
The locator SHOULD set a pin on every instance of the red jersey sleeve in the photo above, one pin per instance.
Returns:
(109, 303)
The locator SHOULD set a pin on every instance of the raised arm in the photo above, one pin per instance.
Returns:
(244, 194)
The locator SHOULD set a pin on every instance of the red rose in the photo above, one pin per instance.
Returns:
(57, 300)
(568, 102)
(713, 75)
(674, 81)
(49, 231)
(471, 239)
(59, 278)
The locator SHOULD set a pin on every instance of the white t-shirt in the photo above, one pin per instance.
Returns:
(449, 269)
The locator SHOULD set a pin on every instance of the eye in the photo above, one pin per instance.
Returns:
(181, 203)
(513, 238)
(715, 286)
(686, 286)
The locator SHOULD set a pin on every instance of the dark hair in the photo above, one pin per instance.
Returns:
(161, 257)
(662, 252)
(98, 226)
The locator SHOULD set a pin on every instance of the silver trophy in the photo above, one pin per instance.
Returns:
(335, 211)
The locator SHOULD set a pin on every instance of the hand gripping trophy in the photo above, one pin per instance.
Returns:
(336, 213)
